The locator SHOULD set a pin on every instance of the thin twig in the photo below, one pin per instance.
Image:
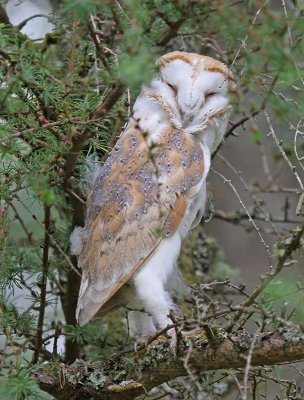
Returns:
(73, 120)
(51, 237)
(243, 42)
(282, 151)
(9, 338)
(250, 192)
(24, 22)
(293, 245)
(28, 234)
(248, 364)
(73, 48)
(248, 214)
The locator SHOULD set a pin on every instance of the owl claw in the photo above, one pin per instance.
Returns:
(144, 340)
(173, 341)
(192, 333)
(136, 344)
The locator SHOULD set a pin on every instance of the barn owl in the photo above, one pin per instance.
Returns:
(151, 192)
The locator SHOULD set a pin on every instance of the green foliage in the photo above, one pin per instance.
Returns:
(93, 334)
(79, 9)
(136, 64)
(286, 295)
(21, 386)
(98, 337)
(14, 321)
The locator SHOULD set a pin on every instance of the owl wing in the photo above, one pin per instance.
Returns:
(138, 200)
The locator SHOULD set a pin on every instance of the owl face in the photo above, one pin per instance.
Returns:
(193, 91)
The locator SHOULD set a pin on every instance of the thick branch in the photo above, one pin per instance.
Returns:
(3, 16)
(45, 268)
(69, 306)
(128, 377)
(171, 32)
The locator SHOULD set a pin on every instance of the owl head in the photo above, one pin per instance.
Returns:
(193, 92)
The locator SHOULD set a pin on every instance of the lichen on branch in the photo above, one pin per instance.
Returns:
(129, 375)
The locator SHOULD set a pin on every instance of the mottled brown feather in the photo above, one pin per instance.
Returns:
(129, 212)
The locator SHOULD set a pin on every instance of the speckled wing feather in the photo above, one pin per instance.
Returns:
(139, 198)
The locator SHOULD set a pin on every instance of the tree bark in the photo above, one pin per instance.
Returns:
(128, 376)
(72, 287)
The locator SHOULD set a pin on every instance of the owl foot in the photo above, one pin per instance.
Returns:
(191, 334)
(173, 341)
(145, 341)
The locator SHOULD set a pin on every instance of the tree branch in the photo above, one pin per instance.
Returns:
(131, 376)
(25, 21)
(292, 246)
(171, 32)
(45, 268)
(3, 16)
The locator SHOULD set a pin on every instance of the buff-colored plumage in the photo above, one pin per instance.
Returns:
(151, 191)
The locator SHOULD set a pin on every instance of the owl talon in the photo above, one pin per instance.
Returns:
(173, 341)
(143, 340)
(137, 341)
(192, 333)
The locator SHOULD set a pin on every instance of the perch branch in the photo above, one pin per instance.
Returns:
(129, 377)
